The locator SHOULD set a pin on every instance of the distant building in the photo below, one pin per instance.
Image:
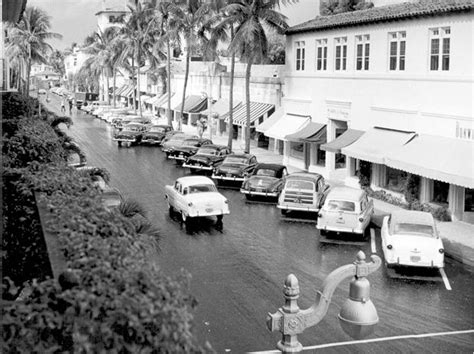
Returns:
(111, 16)
(391, 86)
(44, 76)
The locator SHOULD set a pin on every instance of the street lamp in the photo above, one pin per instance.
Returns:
(357, 317)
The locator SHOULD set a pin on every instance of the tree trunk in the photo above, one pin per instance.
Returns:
(138, 82)
(168, 81)
(186, 75)
(107, 86)
(231, 96)
(28, 69)
(247, 100)
(115, 82)
(133, 85)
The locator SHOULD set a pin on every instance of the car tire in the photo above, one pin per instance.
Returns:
(219, 223)
(171, 211)
(249, 196)
(284, 212)
(119, 143)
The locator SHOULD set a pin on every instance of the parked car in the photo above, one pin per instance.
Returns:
(235, 168)
(130, 134)
(188, 148)
(346, 210)
(156, 134)
(195, 197)
(266, 180)
(207, 158)
(302, 191)
(175, 140)
(410, 238)
(41, 92)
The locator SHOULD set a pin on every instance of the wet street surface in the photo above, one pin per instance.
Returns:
(238, 273)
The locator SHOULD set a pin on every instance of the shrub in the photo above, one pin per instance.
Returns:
(364, 173)
(412, 188)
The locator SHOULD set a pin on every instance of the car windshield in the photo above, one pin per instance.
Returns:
(406, 228)
(207, 151)
(157, 129)
(340, 205)
(236, 160)
(202, 188)
(266, 172)
(295, 184)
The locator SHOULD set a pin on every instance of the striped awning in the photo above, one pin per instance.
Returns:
(192, 104)
(158, 101)
(220, 108)
(257, 110)
(175, 100)
(128, 92)
(144, 98)
(119, 90)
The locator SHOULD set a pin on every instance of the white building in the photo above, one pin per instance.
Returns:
(391, 85)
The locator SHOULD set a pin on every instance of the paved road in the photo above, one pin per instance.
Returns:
(238, 274)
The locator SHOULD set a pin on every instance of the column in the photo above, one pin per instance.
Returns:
(330, 156)
(456, 201)
(426, 190)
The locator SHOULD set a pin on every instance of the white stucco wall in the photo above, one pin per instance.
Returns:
(415, 99)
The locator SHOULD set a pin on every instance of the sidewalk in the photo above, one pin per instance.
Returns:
(458, 236)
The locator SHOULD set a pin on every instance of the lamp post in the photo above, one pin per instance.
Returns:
(357, 317)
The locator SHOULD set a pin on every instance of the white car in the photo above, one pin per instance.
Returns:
(196, 196)
(410, 238)
(345, 210)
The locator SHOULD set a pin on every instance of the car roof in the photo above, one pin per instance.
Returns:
(411, 217)
(215, 146)
(304, 175)
(190, 180)
(345, 193)
(247, 156)
(134, 124)
(161, 126)
(270, 166)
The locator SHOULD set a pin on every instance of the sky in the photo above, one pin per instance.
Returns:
(75, 19)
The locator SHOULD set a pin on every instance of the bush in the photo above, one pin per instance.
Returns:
(364, 173)
(412, 188)
(112, 297)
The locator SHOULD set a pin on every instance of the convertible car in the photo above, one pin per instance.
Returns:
(130, 134)
(410, 238)
(207, 158)
(188, 148)
(266, 181)
(194, 197)
(156, 134)
(235, 168)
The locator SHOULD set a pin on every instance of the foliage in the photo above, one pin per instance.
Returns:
(364, 173)
(56, 60)
(332, 7)
(412, 188)
(276, 48)
(112, 297)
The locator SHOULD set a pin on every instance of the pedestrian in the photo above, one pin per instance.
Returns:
(63, 106)
(70, 106)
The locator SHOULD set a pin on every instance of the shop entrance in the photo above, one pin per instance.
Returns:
(468, 215)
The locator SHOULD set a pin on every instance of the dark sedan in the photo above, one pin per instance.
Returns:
(265, 181)
(171, 142)
(235, 168)
(207, 158)
(188, 148)
(156, 134)
(130, 134)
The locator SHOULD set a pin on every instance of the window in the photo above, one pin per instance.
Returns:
(296, 150)
(362, 52)
(321, 54)
(397, 45)
(395, 180)
(439, 48)
(340, 53)
(440, 193)
(300, 55)
(321, 157)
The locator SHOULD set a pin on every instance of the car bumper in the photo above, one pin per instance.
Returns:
(204, 213)
(201, 168)
(407, 262)
(125, 140)
(298, 207)
(228, 178)
(178, 158)
(356, 230)
(151, 141)
(263, 193)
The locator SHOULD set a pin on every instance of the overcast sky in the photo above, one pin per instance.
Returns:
(75, 19)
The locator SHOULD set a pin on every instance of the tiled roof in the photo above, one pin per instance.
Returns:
(395, 12)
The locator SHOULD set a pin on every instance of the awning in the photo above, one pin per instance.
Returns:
(443, 159)
(175, 100)
(144, 98)
(192, 104)
(311, 133)
(288, 124)
(375, 144)
(346, 138)
(267, 123)
(150, 99)
(220, 108)
(128, 92)
(157, 101)
(257, 110)
(121, 89)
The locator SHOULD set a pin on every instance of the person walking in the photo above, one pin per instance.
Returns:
(70, 105)
(63, 106)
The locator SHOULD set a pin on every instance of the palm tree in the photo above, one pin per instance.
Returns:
(250, 40)
(189, 20)
(27, 39)
(102, 54)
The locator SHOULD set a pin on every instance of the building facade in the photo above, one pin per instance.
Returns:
(392, 86)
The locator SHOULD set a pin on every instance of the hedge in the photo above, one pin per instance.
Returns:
(112, 297)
